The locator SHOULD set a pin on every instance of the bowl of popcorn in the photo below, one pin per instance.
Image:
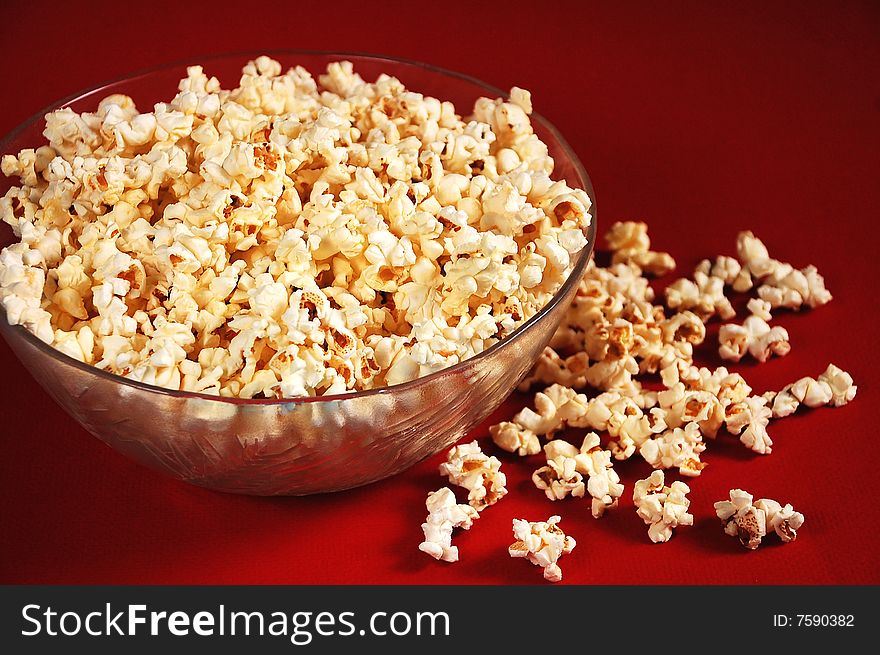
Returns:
(288, 274)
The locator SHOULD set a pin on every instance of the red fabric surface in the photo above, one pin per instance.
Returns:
(701, 119)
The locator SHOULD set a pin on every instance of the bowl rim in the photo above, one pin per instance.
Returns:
(581, 259)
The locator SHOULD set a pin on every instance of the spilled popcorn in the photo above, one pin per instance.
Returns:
(603, 483)
(630, 244)
(662, 507)
(614, 333)
(833, 387)
(467, 466)
(750, 522)
(591, 377)
(542, 543)
(444, 514)
(751, 417)
(291, 236)
(566, 466)
(755, 337)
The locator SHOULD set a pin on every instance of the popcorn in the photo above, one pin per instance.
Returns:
(741, 519)
(552, 369)
(700, 407)
(728, 269)
(515, 439)
(326, 235)
(630, 244)
(811, 392)
(467, 466)
(755, 260)
(833, 387)
(662, 507)
(444, 515)
(21, 288)
(754, 336)
(566, 466)
(749, 522)
(555, 407)
(676, 448)
(783, 403)
(613, 332)
(784, 521)
(542, 543)
(631, 427)
(603, 329)
(728, 387)
(795, 289)
(753, 414)
(841, 384)
(760, 308)
(603, 483)
(704, 295)
(684, 326)
(80, 344)
(783, 285)
(559, 478)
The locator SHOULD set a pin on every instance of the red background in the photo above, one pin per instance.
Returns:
(700, 119)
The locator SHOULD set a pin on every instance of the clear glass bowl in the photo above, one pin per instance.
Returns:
(300, 445)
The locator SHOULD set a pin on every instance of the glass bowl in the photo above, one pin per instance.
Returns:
(294, 446)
